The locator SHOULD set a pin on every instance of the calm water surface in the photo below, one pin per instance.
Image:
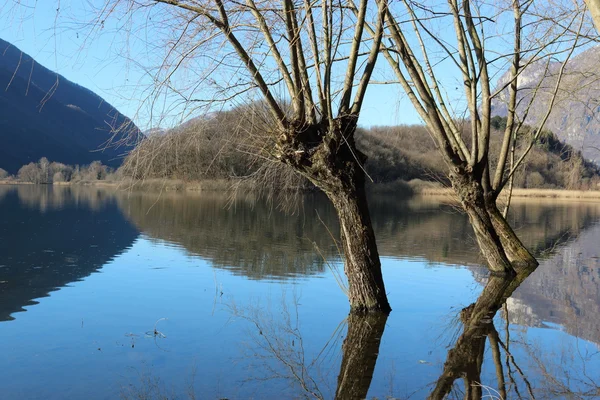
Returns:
(108, 295)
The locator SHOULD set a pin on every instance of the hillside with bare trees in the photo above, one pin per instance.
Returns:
(215, 148)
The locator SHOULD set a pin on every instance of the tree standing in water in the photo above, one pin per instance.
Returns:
(309, 64)
(487, 39)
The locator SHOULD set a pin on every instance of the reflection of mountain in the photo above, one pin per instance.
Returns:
(565, 289)
(42, 114)
(52, 237)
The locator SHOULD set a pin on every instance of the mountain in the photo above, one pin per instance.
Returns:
(575, 118)
(43, 114)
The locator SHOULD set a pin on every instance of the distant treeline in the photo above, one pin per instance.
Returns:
(46, 172)
(218, 148)
(408, 152)
(223, 148)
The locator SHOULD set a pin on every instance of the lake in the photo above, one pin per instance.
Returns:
(107, 294)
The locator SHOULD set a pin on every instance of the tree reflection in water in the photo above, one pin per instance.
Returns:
(465, 359)
(278, 350)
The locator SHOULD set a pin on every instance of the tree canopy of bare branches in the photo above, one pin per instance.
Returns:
(303, 66)
(480, 41)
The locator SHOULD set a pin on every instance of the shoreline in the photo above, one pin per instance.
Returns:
(521, 193)
(398, 188)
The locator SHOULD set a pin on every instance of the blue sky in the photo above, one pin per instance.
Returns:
(110, 61)
(60, 43)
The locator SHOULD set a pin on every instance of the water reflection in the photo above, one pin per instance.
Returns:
(466, 358)
(278, 350)
(52, 237)
(248, 237)
(565, 289)
(255, 239)
(360, 351)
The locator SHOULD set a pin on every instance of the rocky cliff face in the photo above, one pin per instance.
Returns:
(42, 114)
(575, 118)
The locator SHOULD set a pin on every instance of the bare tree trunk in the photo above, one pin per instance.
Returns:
(366, 290)
(471, 196)
(329, 158)
(514, 249)
(360, 351)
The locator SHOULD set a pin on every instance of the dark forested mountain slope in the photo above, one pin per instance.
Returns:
(42, 114)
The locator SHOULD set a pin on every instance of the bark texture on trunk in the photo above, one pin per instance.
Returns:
(514, 249)
(594, 7)
(362, 266)
(328, 157)
(360, 351)
(472, 198)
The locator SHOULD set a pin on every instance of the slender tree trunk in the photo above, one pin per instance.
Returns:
(471, 196)
(360, 351)
(516, 252)
(366, 290)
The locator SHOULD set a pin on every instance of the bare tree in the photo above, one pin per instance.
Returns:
(308, 63)
(30, 173)
(479, 41)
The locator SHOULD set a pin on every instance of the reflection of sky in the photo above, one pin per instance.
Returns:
(74, 343)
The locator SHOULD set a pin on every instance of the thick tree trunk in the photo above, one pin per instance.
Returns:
(366, 290)
(471, 196)
(514, 249)
(328, 157)
(360, 351)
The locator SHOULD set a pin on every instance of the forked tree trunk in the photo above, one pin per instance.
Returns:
(516, 252)
(366, 290)
(471, 196)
